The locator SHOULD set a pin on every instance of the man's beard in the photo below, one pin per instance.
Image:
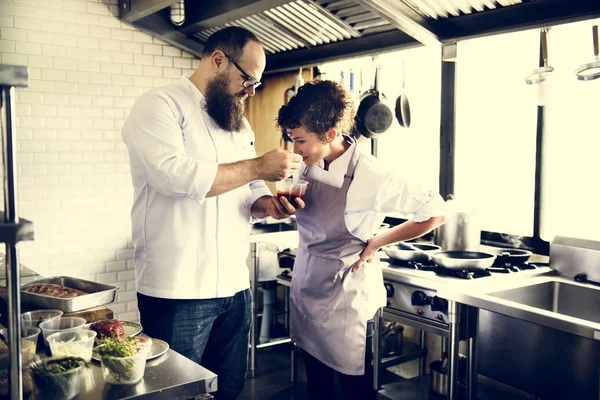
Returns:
(227, 110)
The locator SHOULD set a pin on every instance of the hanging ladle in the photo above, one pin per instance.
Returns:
(590, 71)
(539, 75)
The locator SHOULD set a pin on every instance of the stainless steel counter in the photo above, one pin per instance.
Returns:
(171, 376)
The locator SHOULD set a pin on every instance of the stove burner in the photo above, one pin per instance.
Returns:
(460, 273)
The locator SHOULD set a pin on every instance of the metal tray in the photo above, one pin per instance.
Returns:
(99, 294)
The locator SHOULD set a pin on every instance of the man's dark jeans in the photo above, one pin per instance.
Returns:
(210, 332)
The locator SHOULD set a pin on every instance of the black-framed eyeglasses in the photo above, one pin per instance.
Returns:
(249, 81)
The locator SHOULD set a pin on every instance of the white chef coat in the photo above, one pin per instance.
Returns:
(373, 193)
(187, 246)
(376, 192)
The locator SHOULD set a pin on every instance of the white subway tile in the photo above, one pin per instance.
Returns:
(24, 134)
(46, 181)
(121, 57)
(130, 264)
(29, 97)
(172, 73)
(39, 37)
(123, 296)
(90, 66)
(80, 100)
(69, 134)
(115, 157)
(70, 181)
(67, 111)
(49, 50)
(158, 41)
(82, 169)
(13, 34)
(159, 82)
(81, 123)
(43, 134)
(111, 68)
(53, 26)
(82, 146)
(133, 91)
(59, 169)
(93, 157)
(30, 122)
(66, 64)
(33, 170)
(77, 29)
(14, 59)
(36, 85)
(102, 101)
(24, 158)
(58, 146)
(88, 42)
(131, 286)
(54, 98)
(142, 59)
(88, 112)
(34, 49)
(131, 305)
(132, 47)
(45, 158)
(161, 61)
(129, 316)
(115, 266)
(100, 77)
(35, 73)
(104, 146)
(182, 63)
(73, 5)
(110, 90)
(27, 23)
(153, 71)
(171, 51)
(100, 55)
(108, 21)
(14, 9)
(153, 49)
(7, 46)
(70, 158)
(186, 55)
(54, 75)
(103, 124)
(32, 194)
(78, 53)
(91, 134)
(25, 182)
(121, 34)
(78, 76)
(7, 21)
(24, 109)
(126, 102)
(107, 278)
(141, 37)
(57, 123)
(39, 110)
(97, 8)
(89, 88)
(94, 180)
(41, 62)
(118, 308)
(110, 44)
(65, 87)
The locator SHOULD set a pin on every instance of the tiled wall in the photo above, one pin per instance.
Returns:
(86, 69)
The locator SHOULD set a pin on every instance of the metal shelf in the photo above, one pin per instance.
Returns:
(13, 233)
(410, 352)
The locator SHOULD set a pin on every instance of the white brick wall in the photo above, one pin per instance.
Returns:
(86, 70)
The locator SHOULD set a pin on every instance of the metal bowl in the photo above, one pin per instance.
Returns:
(458, 259)
(396, 252)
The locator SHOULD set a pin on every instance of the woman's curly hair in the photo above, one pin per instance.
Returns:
(319, 106)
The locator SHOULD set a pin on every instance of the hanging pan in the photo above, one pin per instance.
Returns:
(402, 106)
(591, 71)
(373, 117)
(539, 75)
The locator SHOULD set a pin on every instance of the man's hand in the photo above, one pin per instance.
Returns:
(367, 254)
(280, 208)
(277, 164)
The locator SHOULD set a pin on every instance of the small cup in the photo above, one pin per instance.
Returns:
(35, 317)
(72, 344)
(291, 189)
(62, 324)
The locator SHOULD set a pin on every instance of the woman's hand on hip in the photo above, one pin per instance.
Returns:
(367, 255)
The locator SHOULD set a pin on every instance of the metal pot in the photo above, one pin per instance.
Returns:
(473, 260)
(391, 338)
(462, 231)
(439, 376)
(398, 252)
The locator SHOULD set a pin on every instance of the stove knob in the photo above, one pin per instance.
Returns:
(439, 304)
(440, 317)
(419, 298)
(389, 289)
(420, 311)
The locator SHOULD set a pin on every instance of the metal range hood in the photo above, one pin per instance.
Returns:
(305, 32)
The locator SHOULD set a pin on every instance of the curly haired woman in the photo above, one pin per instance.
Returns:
(338, 285)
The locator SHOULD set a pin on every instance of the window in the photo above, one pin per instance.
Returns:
(571, 165)
(495, 130)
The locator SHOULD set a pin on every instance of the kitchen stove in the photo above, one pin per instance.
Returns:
(412, 300)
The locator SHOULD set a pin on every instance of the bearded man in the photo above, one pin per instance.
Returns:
(197, 186)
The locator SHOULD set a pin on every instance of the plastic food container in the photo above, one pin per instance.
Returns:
(72, 344)
(62, 324)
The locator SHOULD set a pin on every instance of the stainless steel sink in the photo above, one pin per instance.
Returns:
(558, 297)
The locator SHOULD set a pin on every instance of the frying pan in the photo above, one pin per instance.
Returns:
(539, 75)
(402, 106)
(373, 117)
(507, 257)
(461, 260)
(400, 252)
(591, 71)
